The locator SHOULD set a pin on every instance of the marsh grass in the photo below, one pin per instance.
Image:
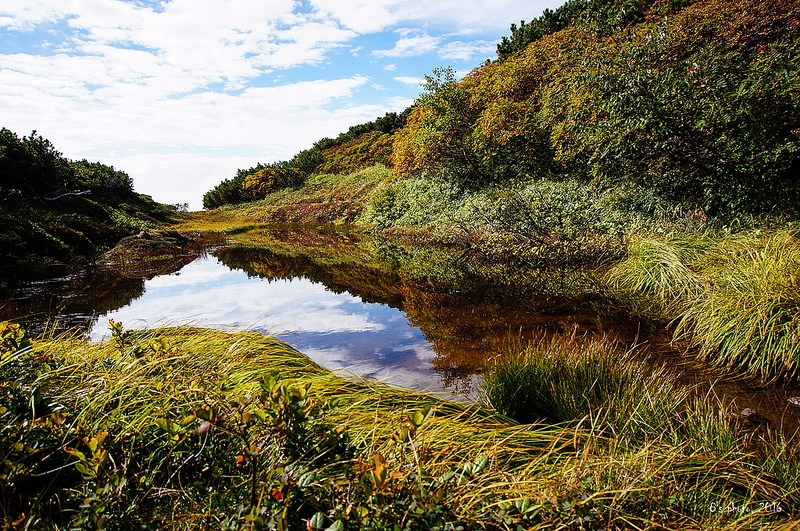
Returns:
(190, 428)
(735, 299)
(569, 379)
(657, 278)
(749, 317)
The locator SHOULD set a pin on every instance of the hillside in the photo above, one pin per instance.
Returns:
(59, 211)
(693, 107)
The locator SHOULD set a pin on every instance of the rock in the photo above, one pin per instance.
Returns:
(753, 417)
(794, 401)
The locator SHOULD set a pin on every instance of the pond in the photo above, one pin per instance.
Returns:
(412, 316)
(336, 330)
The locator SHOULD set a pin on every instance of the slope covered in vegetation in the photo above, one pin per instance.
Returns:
(56, 210)
(601, 142)
(698, 106)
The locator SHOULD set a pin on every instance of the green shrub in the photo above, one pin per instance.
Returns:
(412, 202)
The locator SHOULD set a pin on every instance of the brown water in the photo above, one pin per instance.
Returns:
(418, 317)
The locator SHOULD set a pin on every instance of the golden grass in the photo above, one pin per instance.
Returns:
(566, 472)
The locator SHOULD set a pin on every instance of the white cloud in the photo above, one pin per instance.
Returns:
(467, 51)
(410, 45)
(410, 80)
(181, 95)
(27, 15)
(459, 16)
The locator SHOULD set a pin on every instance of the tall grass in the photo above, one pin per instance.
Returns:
(570, 379)
(735, 299)
(191, 429)
(657, 277)
(749, 317)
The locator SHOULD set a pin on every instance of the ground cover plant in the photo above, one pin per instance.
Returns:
(191, 429)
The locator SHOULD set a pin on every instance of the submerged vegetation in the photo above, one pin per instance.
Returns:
(186, 429)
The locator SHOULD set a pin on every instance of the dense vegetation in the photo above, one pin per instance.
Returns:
(359, 147)
(56, 210)
(697, 105)
(602, 15)
(656, 142)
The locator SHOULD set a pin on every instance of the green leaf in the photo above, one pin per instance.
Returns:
(84, 470)
(76, 453)
(418, 417)
(338, 525)
(480, 464)
(523, 506)
(306, 479)
(317, 521)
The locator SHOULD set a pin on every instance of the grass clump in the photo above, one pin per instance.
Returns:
(749, 316)
(569, 379)
(735, 299)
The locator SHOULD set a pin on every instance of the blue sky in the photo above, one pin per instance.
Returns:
(182, 93)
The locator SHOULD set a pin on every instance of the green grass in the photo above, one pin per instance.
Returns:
(569, 379)
(735, 299)
(191, 429)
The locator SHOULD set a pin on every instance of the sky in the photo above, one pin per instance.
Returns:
(180, 94)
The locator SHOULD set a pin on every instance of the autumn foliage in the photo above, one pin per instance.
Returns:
(700, 105)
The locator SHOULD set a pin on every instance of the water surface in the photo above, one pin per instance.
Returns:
(336, 330)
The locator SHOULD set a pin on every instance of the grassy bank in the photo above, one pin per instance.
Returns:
(200, 429)
(735, 298)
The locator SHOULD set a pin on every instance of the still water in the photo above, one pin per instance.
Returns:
(337, 330)
(409, 316)
(424, 318)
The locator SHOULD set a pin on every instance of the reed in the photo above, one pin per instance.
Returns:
(569, 379)
(736, 299)
(658, 278)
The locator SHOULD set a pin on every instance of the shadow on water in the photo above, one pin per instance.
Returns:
(413, 315)
(74, 298)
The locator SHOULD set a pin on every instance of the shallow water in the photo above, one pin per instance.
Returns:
(413, 317)
(336, 330)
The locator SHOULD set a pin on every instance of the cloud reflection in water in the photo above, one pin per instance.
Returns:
(338, 331)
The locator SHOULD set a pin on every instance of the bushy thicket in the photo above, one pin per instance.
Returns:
(32, 167)
(360, 146)
(601, 14)
(53, 209)
(697, 102)
(701, 106)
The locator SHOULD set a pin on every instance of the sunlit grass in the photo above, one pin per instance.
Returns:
(571, 379)
(147, 392)
(736, 299)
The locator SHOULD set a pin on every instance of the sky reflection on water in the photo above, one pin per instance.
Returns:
(338, 331)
